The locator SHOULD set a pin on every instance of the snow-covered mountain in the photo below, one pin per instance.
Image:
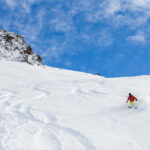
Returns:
(44, 108)
(14, 48)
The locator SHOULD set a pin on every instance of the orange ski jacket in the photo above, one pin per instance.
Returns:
(131, 98)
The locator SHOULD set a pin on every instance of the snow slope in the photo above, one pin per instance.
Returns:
(44, 108)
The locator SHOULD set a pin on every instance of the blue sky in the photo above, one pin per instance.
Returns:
(110, 37)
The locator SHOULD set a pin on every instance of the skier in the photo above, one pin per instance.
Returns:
(131, 98)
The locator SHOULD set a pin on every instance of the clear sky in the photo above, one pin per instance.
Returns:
(110, 37)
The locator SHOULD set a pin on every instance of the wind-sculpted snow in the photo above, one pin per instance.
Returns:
(20, 119)
(65, 110)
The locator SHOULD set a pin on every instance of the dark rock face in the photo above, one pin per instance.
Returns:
(14, 48)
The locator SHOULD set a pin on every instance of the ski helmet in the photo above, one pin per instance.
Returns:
(129, 94)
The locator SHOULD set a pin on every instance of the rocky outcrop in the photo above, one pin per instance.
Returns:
(14, 48)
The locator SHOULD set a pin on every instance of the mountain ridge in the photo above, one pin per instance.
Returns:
(14, 48)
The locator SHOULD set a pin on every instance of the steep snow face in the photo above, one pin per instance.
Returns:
(14, 48)
(43, 108)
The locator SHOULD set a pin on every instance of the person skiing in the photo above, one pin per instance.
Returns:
(131, 98)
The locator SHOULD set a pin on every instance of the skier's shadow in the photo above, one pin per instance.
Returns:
(122, 110)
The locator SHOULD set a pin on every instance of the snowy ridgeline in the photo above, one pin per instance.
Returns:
(53, 109)
(14, 48)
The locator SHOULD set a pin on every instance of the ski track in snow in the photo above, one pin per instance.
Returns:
(45, 128)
